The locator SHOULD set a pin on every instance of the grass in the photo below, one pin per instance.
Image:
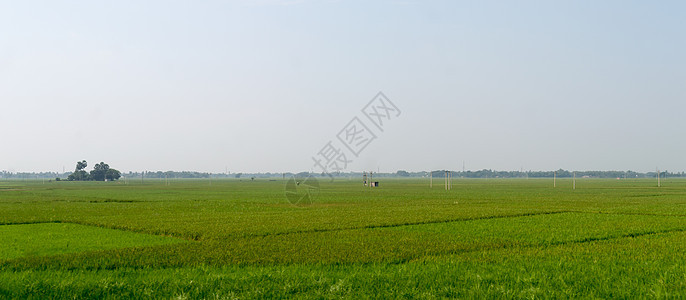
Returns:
(511, 238)
(28, 240)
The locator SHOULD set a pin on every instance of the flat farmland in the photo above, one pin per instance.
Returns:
(511, 238)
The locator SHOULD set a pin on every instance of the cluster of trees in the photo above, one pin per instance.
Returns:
(100, 172)
(402, 173)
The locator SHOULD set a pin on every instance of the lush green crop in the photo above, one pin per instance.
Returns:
(484, 238)
(42, 239)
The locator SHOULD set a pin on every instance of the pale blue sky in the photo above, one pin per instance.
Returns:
(264, 85)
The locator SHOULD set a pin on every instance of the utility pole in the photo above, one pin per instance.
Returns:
(554, 178)
(450, 181)
(446, 180)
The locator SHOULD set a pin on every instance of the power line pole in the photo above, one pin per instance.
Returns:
(450, 182)
(446, 180)
(554, 178)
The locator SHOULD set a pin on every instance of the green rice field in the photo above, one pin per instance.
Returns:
(233, 239)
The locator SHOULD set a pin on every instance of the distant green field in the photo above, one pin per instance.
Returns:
(512, 238)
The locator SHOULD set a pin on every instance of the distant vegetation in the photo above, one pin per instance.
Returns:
(485, 173)
(100, 172)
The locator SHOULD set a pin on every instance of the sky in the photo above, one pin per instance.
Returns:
(265, 85)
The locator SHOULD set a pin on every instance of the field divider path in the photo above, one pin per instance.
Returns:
(316, 230)
(626, 213)
(194, 238)
(33, 222)
(545, 245)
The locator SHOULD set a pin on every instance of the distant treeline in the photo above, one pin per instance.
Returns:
(167, 174)
(157, 174)
(37, 175)
(485, 173)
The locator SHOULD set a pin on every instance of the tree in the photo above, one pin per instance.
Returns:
(112, 174)
(99, 171)
(402, 173)
(79, 174)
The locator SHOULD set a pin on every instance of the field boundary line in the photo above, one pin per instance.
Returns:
(167, 234)
(628, 214)
(31, 222)
(621, 236)
(545, 245)
(315, 230)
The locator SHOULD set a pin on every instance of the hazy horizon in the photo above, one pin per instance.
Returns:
(263, 86)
